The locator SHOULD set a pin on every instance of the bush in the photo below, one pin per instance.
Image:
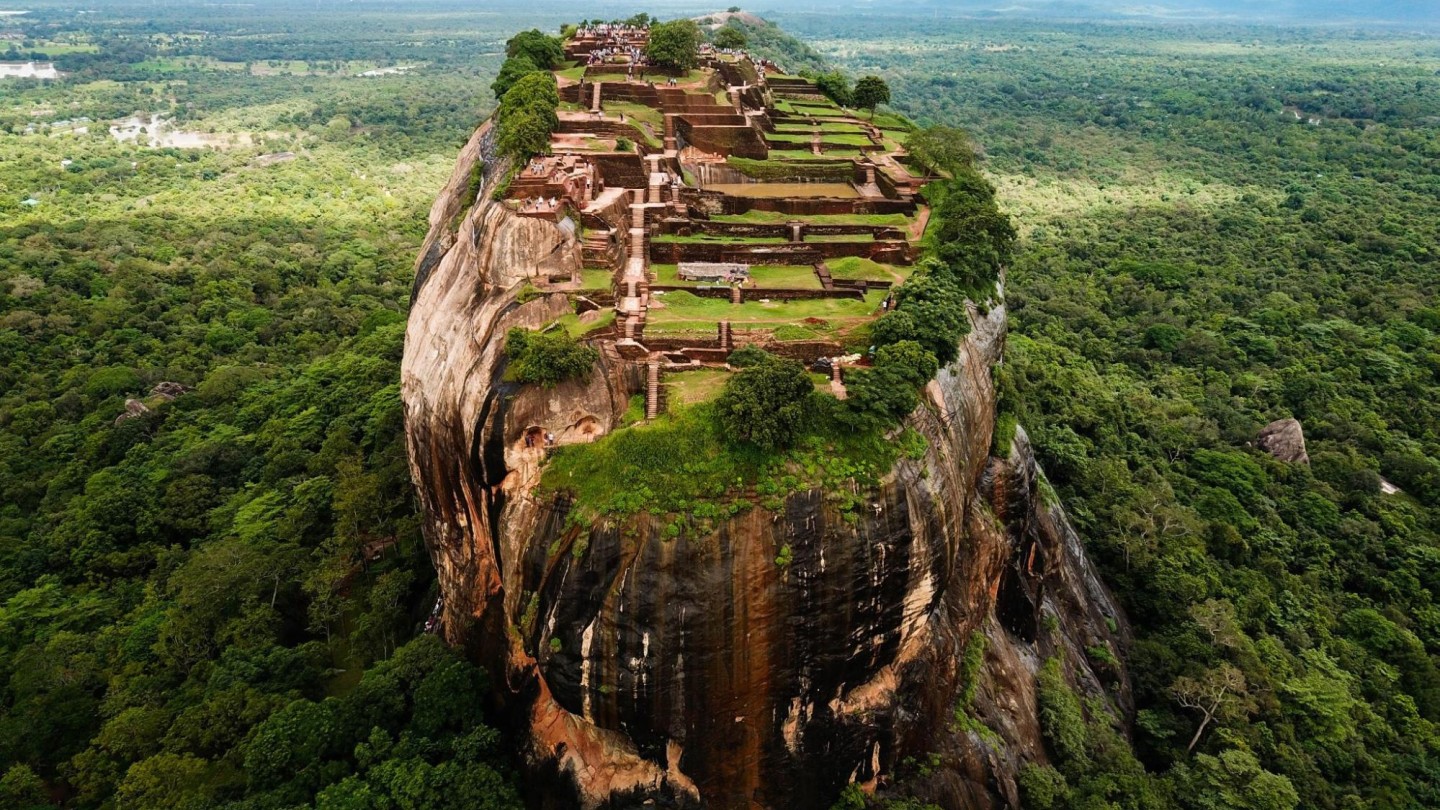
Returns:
(766, 404)
(547, 358)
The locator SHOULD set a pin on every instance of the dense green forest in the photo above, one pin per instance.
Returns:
(1221, 227)
(217, 600)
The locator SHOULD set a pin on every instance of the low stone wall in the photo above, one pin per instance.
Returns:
(717, 119)
(601, 129)
(662, 344)
(625, 91)
(624, 170)
(615, 216)
(741, 141)
(785, 253)
(887, 185)
(771, 293)
(676, 252)
(777, 230)
(806, 351)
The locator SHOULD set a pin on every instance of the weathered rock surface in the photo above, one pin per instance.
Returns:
(1284, 440)
(695, 670)
(134, 409)
(168, 390)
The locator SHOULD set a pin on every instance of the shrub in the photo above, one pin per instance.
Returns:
(766, 404)
(547, 358)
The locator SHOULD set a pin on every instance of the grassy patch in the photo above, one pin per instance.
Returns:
(693, 387)
(762, 217)
(596, 279)
(635, 112)
(857, 268)
(680, 466)
(680, 311)
(716, 238)
(792, 277)
(576, 328)
(773, 170)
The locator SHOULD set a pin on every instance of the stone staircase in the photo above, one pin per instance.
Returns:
(652, 390)
(600, 250)
(727, 338)
(823, 273)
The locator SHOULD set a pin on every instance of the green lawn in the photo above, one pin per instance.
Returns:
(686, 313)
(690, 387)
(783, 277)
(573, 74)
(715, 238)
(635, 112)
(792, 128)
(596, 279)
(572, 323)
(892, 220)
(841, 139)
(856, 268)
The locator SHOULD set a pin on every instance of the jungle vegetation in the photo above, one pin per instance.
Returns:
(1220, 226)
(217, 602)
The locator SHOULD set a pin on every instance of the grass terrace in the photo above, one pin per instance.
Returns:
(857, 268)
(780, 276)
(596, 279)
(771, 217)
(694, 387)
(716, 239)
(682, 467)
(680, 312)
(780, 190)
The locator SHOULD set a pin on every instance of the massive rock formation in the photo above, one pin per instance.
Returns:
(695, 670)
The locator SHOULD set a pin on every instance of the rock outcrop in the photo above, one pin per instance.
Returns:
(1284, 440)
(696, 670)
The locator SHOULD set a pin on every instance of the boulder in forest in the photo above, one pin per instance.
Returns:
(169, 390)
(1284, 440)
(133, 408)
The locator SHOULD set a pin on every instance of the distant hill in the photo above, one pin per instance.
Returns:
(1387, 12)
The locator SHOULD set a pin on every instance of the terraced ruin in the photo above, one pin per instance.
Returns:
(679, 607)
(719, 207)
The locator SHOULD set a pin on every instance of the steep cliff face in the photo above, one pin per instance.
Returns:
(696, 670)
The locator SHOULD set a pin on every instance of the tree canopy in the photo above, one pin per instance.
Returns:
(674, 44)
(766, 403)
(730, 37)
(871, 92)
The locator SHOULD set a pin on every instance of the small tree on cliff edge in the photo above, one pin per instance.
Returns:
(766, 404)
(871, 92)
(674, 44)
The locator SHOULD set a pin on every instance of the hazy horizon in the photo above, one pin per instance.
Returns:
(1389, 13)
